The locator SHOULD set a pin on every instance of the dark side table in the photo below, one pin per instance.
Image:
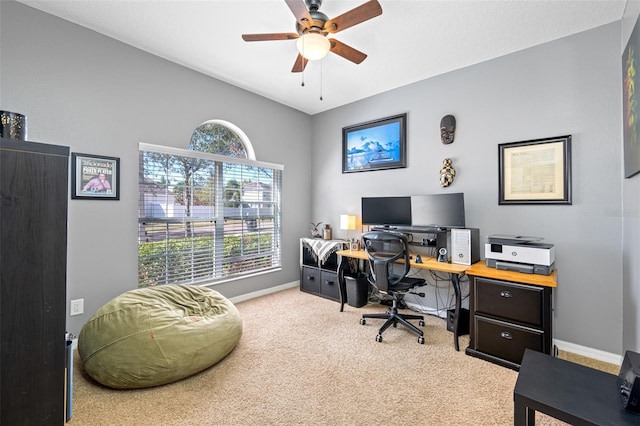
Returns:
(570, 392)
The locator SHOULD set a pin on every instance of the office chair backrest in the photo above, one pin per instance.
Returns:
(383, 248)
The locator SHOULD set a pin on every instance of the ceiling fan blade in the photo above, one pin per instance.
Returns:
(265, 37)
(300, 64)
(300, 11)
(346, 51)
(365, 11)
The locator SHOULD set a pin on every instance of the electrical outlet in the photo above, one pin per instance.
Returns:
(77, 307)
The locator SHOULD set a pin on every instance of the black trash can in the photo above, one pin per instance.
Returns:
(463, 321)
(357, 290)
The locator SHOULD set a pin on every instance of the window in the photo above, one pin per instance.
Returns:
(205, 217)
(221, 137)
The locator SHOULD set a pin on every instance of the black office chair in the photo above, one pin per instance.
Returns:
(383, 249)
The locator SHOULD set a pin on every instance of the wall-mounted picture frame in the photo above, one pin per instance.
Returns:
(375, 145)
(631, 104)
(95, 177)
(535, 172)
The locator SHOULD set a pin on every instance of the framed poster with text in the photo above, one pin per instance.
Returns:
(95, 177)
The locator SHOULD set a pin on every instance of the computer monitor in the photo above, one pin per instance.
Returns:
(386, 211)
(438, 210)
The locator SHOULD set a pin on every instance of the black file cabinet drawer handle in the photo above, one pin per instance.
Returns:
(506, 335)
(506, 294)
(330, 282)
(311, 277)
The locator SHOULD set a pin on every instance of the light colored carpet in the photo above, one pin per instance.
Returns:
(302, 362)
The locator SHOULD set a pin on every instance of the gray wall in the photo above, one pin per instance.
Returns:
(99, 96)
(570, 86)
(631, 227)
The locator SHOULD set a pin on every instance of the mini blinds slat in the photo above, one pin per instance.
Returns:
(204, 217)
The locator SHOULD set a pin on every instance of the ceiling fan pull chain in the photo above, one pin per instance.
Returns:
(303, 63)
(321, 79)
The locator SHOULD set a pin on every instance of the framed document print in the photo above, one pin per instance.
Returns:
(535, 172)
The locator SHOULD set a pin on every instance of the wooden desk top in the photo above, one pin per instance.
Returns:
(478, 269)
(428, 262)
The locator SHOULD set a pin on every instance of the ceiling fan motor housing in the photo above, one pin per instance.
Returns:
(317, 23)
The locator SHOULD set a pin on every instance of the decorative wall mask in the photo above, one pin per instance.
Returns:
(447, 173)
(447, 129)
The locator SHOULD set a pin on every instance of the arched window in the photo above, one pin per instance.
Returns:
(222, 138)
(209, 213)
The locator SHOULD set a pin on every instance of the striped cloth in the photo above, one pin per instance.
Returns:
(322, 249)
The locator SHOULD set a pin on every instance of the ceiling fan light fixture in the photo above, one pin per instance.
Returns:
(313, 46)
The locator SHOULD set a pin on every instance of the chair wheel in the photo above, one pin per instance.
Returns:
(421, 340)
(379, 338)
(421, 323)
(362, 321)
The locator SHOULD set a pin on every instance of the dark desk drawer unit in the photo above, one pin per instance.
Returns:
(507, 318)
(514, 302)
(505, 340)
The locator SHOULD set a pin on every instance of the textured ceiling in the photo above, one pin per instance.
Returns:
(411, 40)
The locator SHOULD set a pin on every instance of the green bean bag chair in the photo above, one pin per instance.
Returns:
(157, 335)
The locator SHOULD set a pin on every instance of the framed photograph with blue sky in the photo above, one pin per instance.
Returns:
(375, 145)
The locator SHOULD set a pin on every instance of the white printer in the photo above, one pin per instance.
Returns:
(520, 254)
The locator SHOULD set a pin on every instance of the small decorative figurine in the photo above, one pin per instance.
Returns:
(447, 173)
(447, 129)
(315, 230)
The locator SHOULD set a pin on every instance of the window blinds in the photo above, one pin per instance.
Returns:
(205, 217)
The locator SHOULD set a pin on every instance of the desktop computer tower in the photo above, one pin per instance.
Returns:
(457, 245)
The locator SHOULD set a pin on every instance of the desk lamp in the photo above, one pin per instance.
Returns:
(348, 223)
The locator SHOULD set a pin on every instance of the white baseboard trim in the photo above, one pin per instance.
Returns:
(588, 352)
(264, 292)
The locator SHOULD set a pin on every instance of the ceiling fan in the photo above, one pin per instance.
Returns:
(313, 26)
